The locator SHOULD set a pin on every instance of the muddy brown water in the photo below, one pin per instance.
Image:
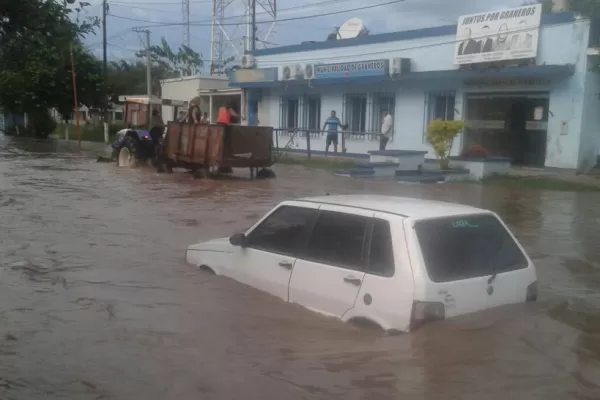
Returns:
(96, 301)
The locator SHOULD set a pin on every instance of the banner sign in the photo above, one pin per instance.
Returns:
(506, 82)
(253, 75)
(353, 69)
(498, 35)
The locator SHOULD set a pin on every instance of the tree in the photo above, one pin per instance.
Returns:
(184, 62)
(35, 36)
(440, 135)
(130, 78)
(546, 5)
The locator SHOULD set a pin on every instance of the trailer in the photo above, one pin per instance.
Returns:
(210, 149)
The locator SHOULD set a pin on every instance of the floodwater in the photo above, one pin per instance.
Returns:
(96, 301)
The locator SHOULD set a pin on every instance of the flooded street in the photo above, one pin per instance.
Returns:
(96, 301)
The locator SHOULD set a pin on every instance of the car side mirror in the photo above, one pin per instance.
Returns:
(239, 239)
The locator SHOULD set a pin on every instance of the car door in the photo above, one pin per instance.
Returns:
(330, 267)
(267, 260)
(386, 294)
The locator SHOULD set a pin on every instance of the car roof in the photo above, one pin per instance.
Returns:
(406, 206)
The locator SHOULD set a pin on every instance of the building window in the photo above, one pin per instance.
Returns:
(118, 115)
(440, 105)
(382, 102)
(355, 112)
(289, 112)
(312, 113)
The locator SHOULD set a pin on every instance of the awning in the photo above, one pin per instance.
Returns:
(523, 72)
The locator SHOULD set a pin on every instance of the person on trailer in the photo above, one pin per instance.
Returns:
(224, 117)
(205, 119)
(156, 130)
(194, 114)
(226, 114)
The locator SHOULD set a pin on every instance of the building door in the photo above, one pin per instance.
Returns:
(509, 125)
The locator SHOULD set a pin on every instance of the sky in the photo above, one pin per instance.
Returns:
(299, 20)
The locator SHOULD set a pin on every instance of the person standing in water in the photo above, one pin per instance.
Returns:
(332, 123)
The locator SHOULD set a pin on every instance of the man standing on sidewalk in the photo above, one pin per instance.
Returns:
(387, 127)
(332, 123)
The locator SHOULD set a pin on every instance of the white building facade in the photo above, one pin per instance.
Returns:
(538, 107)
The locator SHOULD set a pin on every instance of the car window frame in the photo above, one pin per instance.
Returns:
(302, 252)
(371, 229)
(505, 227)
(301, 238)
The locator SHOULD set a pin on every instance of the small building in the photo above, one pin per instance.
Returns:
(521, 81)
(211, 92)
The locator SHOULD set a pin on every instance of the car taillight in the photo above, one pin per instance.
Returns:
(426, 311)
(532, 291)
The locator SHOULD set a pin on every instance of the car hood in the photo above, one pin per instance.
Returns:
(221, 244)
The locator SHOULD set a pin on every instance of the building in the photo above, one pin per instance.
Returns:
(522, 82)
(211, 92)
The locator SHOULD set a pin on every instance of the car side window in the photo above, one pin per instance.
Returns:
(281, 231)
(337, 239)
(381, 250)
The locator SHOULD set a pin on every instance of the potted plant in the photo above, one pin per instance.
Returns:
(440, 135)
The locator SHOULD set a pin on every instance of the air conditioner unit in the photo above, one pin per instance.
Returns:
(309, 71)
(286, 73)
(299, 71)
(400, 66)
(248, 61)
(291, 72)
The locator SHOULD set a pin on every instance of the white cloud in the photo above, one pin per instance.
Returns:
(410, 14)
(139, 12)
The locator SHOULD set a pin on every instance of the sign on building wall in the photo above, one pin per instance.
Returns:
(352, 69)
(498, 35)
(253, 75)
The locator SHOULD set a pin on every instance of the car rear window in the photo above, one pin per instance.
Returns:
(467, 247)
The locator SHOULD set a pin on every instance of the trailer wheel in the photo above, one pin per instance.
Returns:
(201, 173)
(225, 170)
(265, 173)
(129, 153)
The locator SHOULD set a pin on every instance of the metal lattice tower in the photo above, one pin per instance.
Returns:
(185, 13)
(231, 30)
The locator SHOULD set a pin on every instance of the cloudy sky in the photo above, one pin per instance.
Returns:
(299, 20)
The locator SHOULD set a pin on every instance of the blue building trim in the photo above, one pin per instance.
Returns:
(532, 71)
(547, 19)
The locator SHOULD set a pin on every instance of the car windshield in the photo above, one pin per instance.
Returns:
(467, 247)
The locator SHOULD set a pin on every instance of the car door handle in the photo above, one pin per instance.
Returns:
(286, 264)
(352, 280)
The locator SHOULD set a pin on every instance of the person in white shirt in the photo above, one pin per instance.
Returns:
(387, 128)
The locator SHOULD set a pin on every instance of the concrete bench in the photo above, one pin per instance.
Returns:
(480, 168)
(405, 160)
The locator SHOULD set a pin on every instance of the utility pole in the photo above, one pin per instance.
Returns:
(253, 27)
(75, 102)
(105, 70)
(148, 61)
(148, 73)
(148, 66)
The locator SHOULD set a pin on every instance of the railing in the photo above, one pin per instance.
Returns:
(284, 138)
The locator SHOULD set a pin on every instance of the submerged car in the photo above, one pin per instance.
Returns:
(390, 261)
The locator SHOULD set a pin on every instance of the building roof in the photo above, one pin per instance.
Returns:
(195, 77)
(405, 206)
(547, 19)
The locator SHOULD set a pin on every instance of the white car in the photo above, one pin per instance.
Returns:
(390, 261)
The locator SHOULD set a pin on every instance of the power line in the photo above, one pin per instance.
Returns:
(201, 23)
(422, 46)
(282, 10)
(145, 8)
(158, 3)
